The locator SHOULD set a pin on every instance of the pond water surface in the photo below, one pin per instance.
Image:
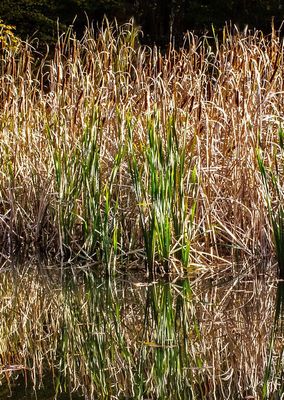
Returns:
(212, 336)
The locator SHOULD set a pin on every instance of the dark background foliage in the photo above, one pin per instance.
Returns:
(158, 18)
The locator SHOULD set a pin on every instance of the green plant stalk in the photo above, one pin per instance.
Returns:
(272, 187)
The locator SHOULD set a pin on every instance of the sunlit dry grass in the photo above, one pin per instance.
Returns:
(118, 152)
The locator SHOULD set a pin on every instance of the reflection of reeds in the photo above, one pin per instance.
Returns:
(126, 339)
(111, 147)
(273, 376)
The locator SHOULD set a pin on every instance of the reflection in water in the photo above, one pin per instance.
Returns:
(273, 381)
(126, 339)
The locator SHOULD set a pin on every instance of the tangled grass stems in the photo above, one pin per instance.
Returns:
(111, 147)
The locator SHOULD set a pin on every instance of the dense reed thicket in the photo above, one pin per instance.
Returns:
(115, 152)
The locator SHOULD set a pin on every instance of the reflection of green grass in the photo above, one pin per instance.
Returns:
(273, 374)
(129, 340)
(168, 324)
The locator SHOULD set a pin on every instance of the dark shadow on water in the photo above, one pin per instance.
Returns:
(22, 389)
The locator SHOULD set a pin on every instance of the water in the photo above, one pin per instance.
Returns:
(215, 336)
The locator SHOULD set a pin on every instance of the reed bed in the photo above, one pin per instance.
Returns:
(203, 339)
(272, 177)
(119, 153)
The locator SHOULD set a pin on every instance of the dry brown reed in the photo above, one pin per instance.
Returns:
(226, 95)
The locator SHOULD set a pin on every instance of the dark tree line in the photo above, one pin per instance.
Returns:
(158, 18)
